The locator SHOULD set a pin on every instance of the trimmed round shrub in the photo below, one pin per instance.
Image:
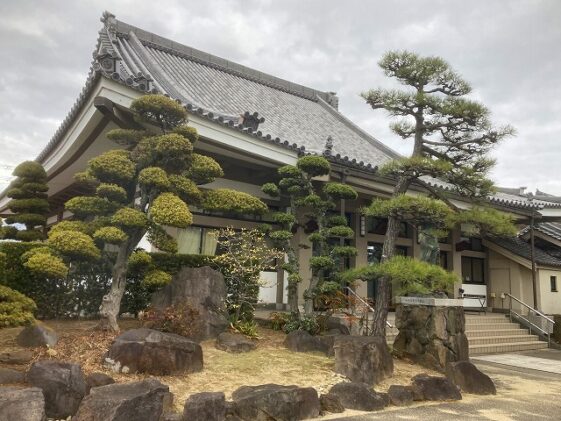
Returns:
(86, 179)
(283, 218)
(74, 244)
(69, 226)
(271, 189)
(187, 132)
(289, 171)
(227, 200)
(344, 251)
(8, 232)
(186, 189)
(321, 263)
(83, 206)
(112, 167)
(168, 209)
(15, 308)
(159, 110)
(340, 231)
(46, 264)
(340, 191)
(31, 205)
(29, 235)
(315, 237)
(312, 200)
(335, 220)
(154, 177)
(156, 279)
(30, 169)
(138, 261)
(203, 169)
(129, 218)
(281, 235)
(126, 137)
(314, 165)
(29, 219)
(173, 144)
(110, 235)
(112, 192)
(162, 240)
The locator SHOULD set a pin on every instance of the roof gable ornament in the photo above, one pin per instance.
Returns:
(142, 81)
(250, 121)
(328, 146)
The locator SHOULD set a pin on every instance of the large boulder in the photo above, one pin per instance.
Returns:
(430, 335)
(400, 395)
(365, 359)
(204, 289)
(235, 343)
(469, 379)
(150, 351)
(145, 400)
(98, 379)
(275, 402)
(63, 385)
(37, 334)
(7, 376)
(22, 404)
(208, 406)
(359, 396)
(22, 356)
(331, 404)
(433, 388)
(302, 341)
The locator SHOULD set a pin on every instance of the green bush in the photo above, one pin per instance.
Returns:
(340, 191)
(110, 235)
(318, 263)
(112, 167)
(340, 231)
(226, 200)
(15, 308)
(112, 192)
(168, 209)
(271, 189)
(314, 165)
(204, 169)
(129, 218)
(308, 323)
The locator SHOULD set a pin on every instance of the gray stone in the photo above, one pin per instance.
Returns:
(400, 395)
(433, 388)
(469, 379)
(204, 289)
(363, 359)
(234, 342)
(63, 386)
(36, 335)
(7, 376)
(208, 406)
(359, 396)
(150, 351)
(275, 402)
(145, 400)
(331, 403)
(22, 404)
(339, 324)
(302, 341)
(23, 356)
(98, 379)
(431, 336)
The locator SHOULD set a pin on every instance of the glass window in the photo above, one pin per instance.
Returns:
(197, 240)
(473, 270)
(469, 243)
(553, 282)
(444, 259)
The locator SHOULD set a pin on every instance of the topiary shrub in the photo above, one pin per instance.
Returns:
(223, 200)
(314, 165)
(340, 191)
(15, 308)
(168, 209)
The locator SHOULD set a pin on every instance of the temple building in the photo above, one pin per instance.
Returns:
(252, 123)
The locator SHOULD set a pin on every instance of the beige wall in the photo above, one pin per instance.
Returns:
(550, 302)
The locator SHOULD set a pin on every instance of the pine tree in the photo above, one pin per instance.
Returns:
(451, 138)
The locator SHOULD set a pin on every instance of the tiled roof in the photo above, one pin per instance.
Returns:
(295, 116)
(551, 229)
(521, 248)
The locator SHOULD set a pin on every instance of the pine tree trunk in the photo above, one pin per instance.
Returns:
(292, 285)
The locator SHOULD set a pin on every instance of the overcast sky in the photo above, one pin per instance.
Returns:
(510, 51)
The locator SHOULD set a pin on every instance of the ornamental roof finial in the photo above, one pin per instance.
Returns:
(328, 146)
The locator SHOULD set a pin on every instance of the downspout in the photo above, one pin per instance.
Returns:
(533, 259)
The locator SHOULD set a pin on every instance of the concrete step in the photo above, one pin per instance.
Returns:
(506, 347)
(481, 340)
(495, 332)
(485, 318)
(485, 321)
(492, 326)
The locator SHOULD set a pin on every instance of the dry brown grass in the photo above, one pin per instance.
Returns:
(269, 363)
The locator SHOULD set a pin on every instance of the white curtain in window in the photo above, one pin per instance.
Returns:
(189, 240)
(209, 242)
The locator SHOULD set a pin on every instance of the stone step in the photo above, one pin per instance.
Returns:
(485, 320)
(506, 347)
(482, 318)
(495, 332)
(492, 326)
(480, 340)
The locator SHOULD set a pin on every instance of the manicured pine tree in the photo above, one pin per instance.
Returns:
(310, 204)
(29, 203)
(139, 190)
(451, 138)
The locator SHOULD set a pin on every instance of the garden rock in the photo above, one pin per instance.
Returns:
(359, 396)
(63, 386)
(469, 379)
(23, 356)
(331, 403)
(36, 335)
(22, 404)
(208, 406)
(302, 341)
(234, 342)
(98, 379)
(150, 351)
(363, 358)
(204, 289)
(275, 402)
(431, 336)
(400, 395)
(7, 376)
(145, 400)
(433, 388)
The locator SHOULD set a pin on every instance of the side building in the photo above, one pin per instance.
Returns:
(252, 123)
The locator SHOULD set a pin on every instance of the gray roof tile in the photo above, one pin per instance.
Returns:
(521, 248)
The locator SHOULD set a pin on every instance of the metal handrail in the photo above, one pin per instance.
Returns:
(534, 311)
(366, 304)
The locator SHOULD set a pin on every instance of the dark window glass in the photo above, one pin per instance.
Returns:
(469, 243)
(444, 259)
(473, 270)
(380, 226)
(553, 282)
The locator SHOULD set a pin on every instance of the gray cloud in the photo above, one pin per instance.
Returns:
(509, 51)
